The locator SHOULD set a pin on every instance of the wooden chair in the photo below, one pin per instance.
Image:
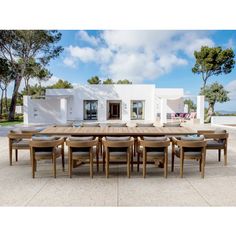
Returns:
(189, 149)
(118, 149)
(216, 140)
(90, 125)
(42, 149)
(117, 125)
(19, 140)
(80, 149)
(154, 149)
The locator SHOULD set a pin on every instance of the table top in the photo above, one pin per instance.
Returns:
(119, 131)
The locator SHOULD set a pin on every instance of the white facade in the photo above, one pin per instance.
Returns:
(61, 105)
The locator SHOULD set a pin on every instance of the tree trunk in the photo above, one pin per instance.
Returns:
(6, 105)
(1, 104)
(210, 112)
(14, 98)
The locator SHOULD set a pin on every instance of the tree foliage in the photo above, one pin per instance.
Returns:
(94, 80)
(213, 94)
(124, 81)
(18, 47)
(213, 62)
(191, 105)
(108, 81)
(61, 84)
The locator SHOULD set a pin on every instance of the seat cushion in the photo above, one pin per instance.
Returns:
(46, 154)
(192, 138)
(117, 125)
(88, 138)
(82, 152)
(215, 143)
(171, 125)
(124, 138)
(43, 138)
(90, 125)
(150, 138)
(23, 143)
(145, 125)
(188, 152)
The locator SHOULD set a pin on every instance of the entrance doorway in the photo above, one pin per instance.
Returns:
(114, 110)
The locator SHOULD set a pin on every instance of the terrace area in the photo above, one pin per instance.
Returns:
(218, 188)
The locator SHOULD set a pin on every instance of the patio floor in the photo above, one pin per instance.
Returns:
(217, 189)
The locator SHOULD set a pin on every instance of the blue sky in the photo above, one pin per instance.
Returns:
(163, 58)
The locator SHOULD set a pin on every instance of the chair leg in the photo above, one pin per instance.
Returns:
(33, 168)
(16, 154)
(172, 158)
(97, 159)
(219, 155)
(138, 161)
(63, 159)
(128, 165)
(107, 164)
(132, 160)
(91, 164)
(35, 165)
(166, 165)
(181, 167)
(54, 167)
(10, 155)
(103, 159)
(200, 165)
(144, 165)
(70, 162)
(203, 166)
(225, 156)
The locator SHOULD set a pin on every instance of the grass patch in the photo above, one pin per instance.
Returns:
(10, 123)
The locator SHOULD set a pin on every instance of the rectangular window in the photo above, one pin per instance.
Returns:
(90, 110)
(137, 110)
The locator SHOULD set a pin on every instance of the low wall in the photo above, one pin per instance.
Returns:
(223, 120)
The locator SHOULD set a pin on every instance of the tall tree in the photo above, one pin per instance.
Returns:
(124, 81)
(35, 70)
(24, 45)
(108, 81)
(213, 62)
(191, 105)
(213, 94)
(94, 80)
(5, 79)
(61, 84)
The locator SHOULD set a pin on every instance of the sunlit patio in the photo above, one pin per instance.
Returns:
(218, 188)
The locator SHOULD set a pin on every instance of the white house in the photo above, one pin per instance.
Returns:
(103, 103)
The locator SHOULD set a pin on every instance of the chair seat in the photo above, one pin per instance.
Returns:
(39, 155)
(151, 150)
(82, 153)
(21, 144)
(215, 144)
(189, 153)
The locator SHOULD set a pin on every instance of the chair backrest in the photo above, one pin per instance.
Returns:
(118, 142)
(145, 125)
(64, 125)
(43, 143)
(117, 125)
(191, 144)
(221, 136)
(164, 142)
(171, 124)
(79, 143)
(90, 125)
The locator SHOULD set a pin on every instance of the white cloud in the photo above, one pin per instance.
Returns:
(138, 55)
(84, 36)
(230, 43)
(231, 87)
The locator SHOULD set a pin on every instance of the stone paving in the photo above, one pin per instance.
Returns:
(218, 188)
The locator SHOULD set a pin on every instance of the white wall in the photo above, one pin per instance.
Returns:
(175, 101)
(223, 120)
(102, 93)
(40, 111)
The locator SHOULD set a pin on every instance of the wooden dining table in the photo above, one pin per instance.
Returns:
(118, 131)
